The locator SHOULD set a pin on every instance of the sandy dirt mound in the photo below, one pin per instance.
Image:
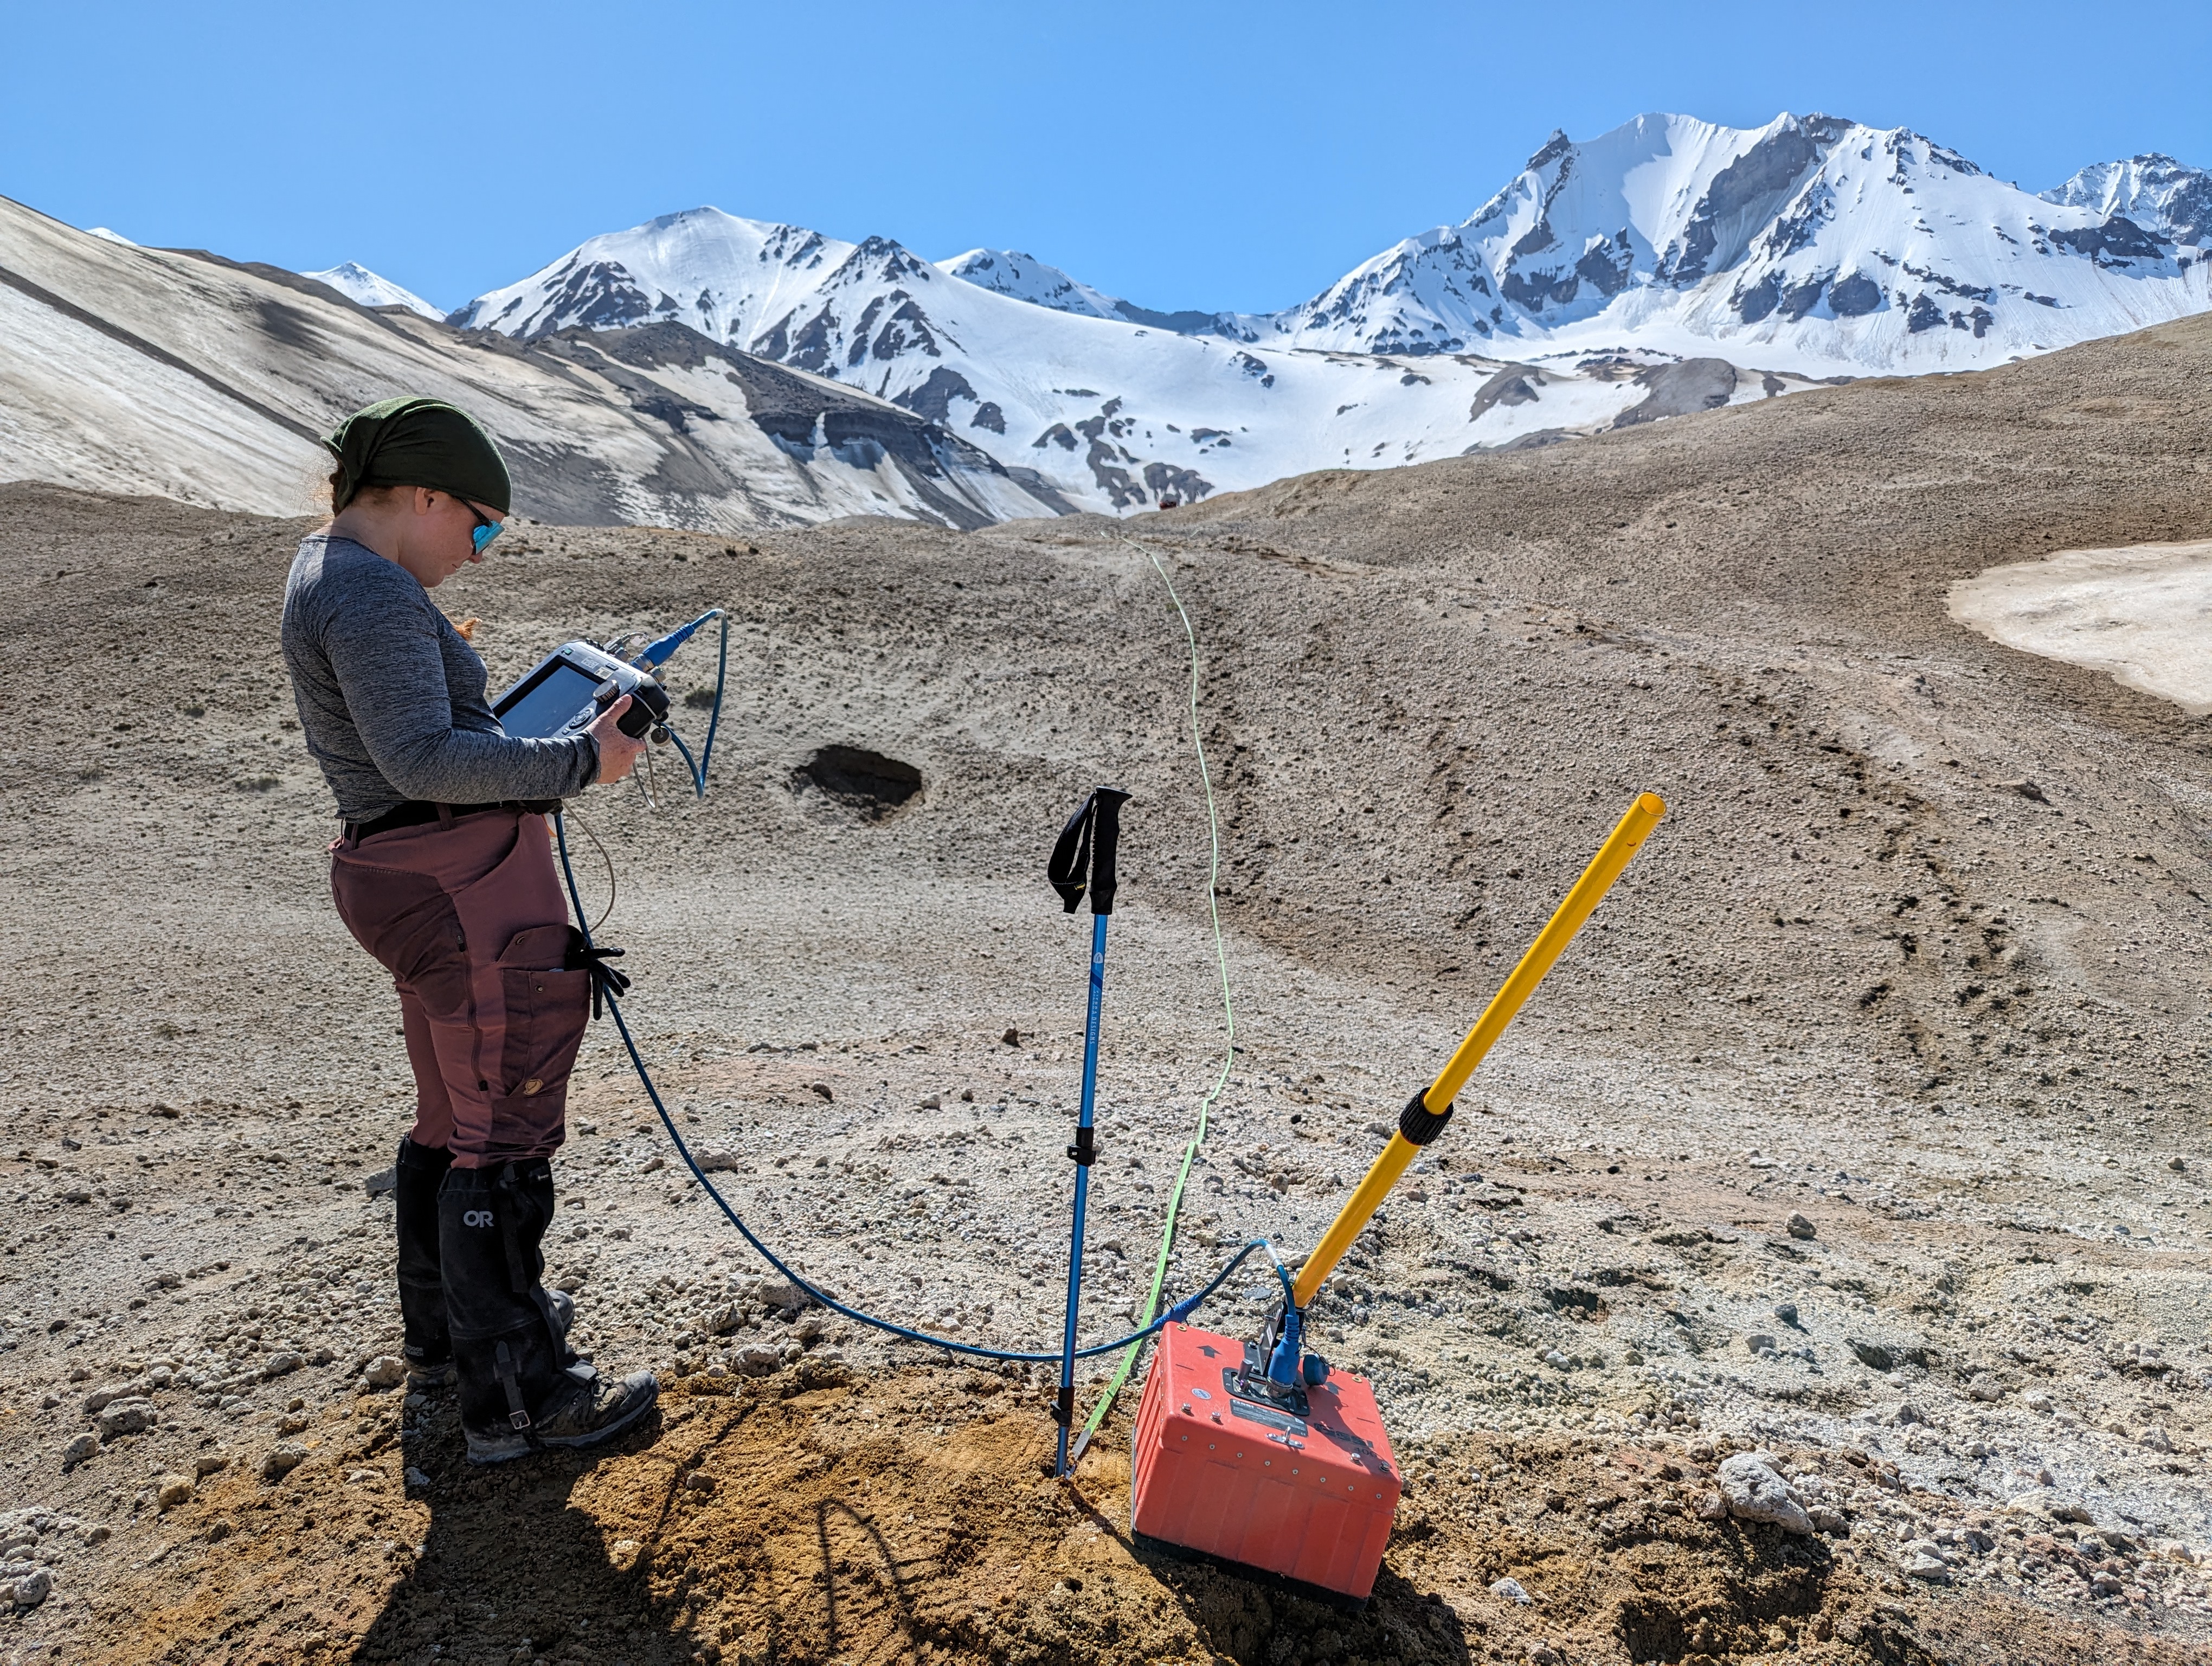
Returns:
(905, 1517)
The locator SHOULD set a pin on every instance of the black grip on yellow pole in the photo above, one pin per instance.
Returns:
(1418, 1123)
(1425, 1116)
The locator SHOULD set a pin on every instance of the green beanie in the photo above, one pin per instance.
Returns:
(418, 442)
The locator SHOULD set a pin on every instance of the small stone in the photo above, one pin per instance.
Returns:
(934, 1102)
(1920, 1564)
(78, 1451)
(821, 1093)
(1512, 1590)
(2177, 1165)
(714, 1160)
(758, 1360)
(1711, 1507)
(414, 1477)
(1787, 1312)
(172, 1490)
(283, 1363)
(283, 1458)
(49, 1401)
(1829, 1520)
(1755, 1493)
(2040, 1402)
(382, 1184)
(1760, 1343)
(2156, 1438)
(210, 1463)
(32, 1589)
(1556, 1359)
(1873, 1355)
(1012, 1037)
(698, 1482)
(127, 1417)
(384, 1371)
(1984, 1387)
(97, 1399)
(1907, 1413)
(1798, 1226)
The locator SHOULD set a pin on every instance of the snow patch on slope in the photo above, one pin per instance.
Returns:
(2141, 614)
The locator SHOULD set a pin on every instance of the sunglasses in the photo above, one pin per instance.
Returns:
(486, 528)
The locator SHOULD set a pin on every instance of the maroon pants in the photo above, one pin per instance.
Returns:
(468, 918)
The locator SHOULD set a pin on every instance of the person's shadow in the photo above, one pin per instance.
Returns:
(509, 1561)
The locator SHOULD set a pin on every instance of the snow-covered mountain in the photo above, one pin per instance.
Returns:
(1581, 296)
(1811, 244)
(1026, 277)
(708, 371)
(1113, 415)
(2155, 192)
(179, 373)
(356, 283)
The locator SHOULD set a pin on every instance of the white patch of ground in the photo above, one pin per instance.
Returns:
(2143, 614)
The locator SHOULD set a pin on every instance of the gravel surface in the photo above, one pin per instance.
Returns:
(1849, 1176)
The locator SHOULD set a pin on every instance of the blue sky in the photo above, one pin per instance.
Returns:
(1189, 155)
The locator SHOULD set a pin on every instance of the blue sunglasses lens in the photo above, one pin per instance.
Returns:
(484, 534)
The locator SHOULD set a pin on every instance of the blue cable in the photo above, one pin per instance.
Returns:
(1180, 1311)
(656, 653)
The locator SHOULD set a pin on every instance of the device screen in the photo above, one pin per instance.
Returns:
(546, 707)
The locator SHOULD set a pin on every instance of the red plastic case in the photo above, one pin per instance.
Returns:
(1309, 1497)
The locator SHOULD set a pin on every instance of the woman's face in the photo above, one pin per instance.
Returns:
(442, 536)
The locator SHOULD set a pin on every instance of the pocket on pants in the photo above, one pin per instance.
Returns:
(547, 1008)
(407, 922)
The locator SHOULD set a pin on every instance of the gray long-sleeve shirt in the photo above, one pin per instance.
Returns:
(392, 698)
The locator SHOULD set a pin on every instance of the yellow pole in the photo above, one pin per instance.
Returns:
(1422, 1121)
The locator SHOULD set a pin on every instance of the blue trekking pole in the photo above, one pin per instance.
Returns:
(1084, 857)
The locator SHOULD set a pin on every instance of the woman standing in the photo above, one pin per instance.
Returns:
(444, 871)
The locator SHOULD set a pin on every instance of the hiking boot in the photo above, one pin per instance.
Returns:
(591, 1411)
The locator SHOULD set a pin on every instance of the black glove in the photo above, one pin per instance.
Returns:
(584, 957)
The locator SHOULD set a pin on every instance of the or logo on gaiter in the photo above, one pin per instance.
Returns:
(477, 1217)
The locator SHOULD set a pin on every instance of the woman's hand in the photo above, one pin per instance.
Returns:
(618, 751)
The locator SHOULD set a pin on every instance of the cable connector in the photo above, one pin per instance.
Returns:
(656, 653)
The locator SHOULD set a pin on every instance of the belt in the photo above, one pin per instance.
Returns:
(415, 813)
